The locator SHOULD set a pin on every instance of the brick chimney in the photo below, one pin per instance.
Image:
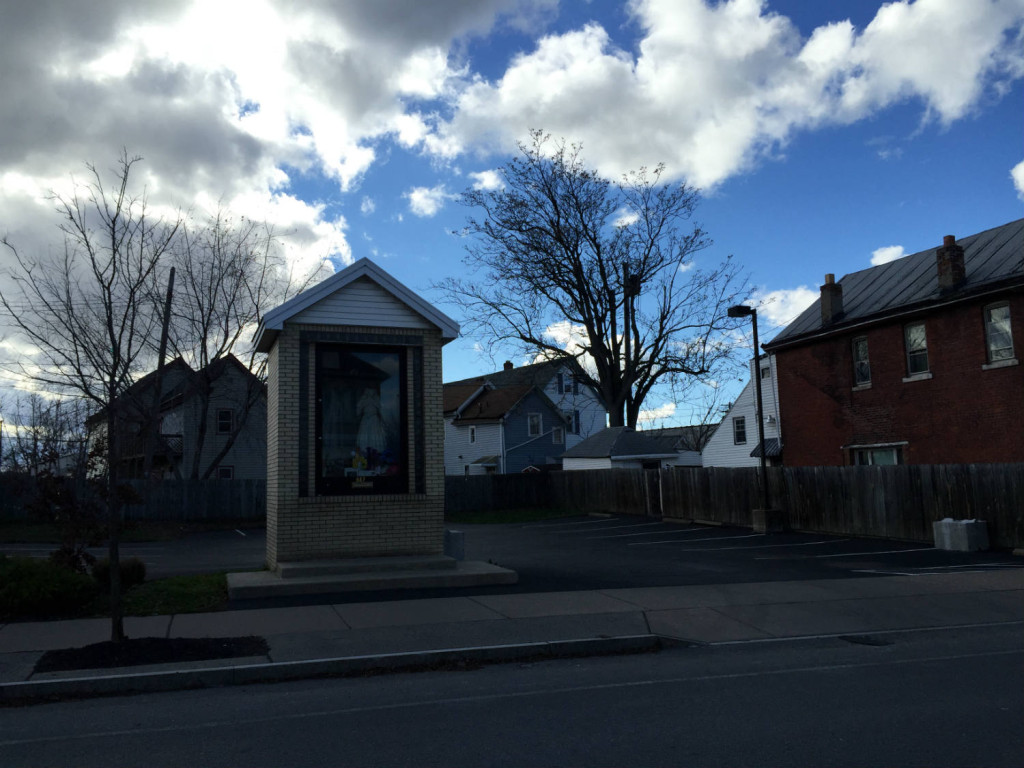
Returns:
(508, 365)
(950, 262)
(831, 300)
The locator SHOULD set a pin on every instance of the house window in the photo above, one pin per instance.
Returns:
(225, 421)
(916, 342)
(883, 456)
(766, 372)
(472, 435)
(558, 435)
(739, 430)
(361, 418)
(534, 425)
(225, 473)
(861, 365)
(572, 418)
(998, 336)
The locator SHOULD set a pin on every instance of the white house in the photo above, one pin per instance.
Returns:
(625, 448)
(734, 443)
(518, 419)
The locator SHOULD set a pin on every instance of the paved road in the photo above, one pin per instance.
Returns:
(949, 697)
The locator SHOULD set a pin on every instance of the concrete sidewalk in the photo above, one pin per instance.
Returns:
(353, 638)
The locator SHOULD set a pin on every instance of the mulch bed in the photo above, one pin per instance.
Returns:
(150, 650)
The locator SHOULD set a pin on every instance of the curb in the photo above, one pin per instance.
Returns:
(273, 672)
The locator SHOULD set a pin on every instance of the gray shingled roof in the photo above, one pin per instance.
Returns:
(991, 257)
(617, 442)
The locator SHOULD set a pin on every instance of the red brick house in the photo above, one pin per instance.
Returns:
(915, 361)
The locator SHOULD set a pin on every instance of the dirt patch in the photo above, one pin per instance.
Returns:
(150, 650)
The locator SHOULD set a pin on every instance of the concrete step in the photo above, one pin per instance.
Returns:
(260, 584)
(302, 569)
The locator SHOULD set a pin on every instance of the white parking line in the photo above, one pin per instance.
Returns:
(617, 527)
(650, 533)
(239, 532)
(886, 552)
(578, 522)
(676, 541)
(969, 565)
(763, 546)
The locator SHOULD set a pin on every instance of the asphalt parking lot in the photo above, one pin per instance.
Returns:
(586, 553)
(605, 553)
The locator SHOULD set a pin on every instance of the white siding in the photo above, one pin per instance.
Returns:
(571, 465)
(721, 451)
(362, 303)
(459, 452)
(593, 417)
(685, 459)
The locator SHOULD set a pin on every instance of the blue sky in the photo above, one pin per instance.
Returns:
(823, 134)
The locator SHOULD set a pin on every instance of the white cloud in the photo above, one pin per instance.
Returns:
(367, 206)
(886, 254)
(623, 218)
(487, 181)
(779, 308)
(648, 416)
(711, 89)
(1017, 174)
(427, 201)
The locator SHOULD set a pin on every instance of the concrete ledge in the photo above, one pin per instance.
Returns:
(471, 573)
(343, 566)
(152, 682)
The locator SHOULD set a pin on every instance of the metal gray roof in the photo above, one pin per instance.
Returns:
(991, 257)
(613, 442)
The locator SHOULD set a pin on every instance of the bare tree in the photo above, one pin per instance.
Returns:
(46, 435)
(560, 250)
(228, 274)
(88, 313)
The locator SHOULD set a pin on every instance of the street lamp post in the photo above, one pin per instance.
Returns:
(742, 310)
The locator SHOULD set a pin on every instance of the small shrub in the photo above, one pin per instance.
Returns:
(133, 572)
(38, 588)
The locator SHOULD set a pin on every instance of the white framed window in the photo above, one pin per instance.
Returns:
(879, 456)
(998, 334)
(472, 435)
(534, 425)
(739, 430)
(566, 384)
(572, 418)
(225, 421)
(916, 341)
(558, 435)
(225, 473)
(766, 372)
(861, 363)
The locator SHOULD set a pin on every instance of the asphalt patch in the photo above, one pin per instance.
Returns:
(150, 650)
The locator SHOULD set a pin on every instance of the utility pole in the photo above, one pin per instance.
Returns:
(154, 413)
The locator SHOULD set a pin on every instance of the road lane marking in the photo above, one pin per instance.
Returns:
(652, 533)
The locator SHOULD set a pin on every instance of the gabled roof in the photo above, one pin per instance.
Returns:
(621, 443)
(992, 259)
(692, 438)
(537, 374)
(494, 404)
(274, 320)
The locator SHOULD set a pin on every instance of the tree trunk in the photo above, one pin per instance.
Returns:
(114, 522)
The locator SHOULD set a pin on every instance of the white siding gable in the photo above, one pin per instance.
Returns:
(593, 417)
(460, 453)
(721, 450)
(362, 303)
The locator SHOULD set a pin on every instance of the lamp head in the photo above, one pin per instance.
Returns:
(741, 310)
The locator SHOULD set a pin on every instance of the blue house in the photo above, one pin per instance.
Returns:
(518, 419)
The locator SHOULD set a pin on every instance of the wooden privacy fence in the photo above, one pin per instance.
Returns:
(192, 500)
(898, 502)
(196, 500)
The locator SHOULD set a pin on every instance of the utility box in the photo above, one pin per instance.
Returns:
(960, 535)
